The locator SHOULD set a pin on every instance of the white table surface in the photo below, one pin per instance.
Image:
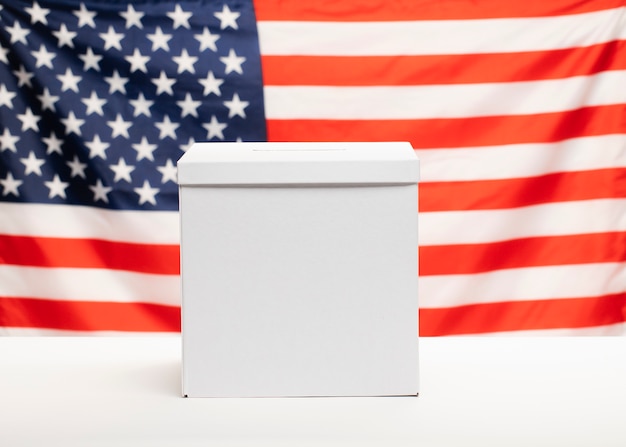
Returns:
(474, 392)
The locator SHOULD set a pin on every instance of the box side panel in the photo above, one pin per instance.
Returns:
(187, 232)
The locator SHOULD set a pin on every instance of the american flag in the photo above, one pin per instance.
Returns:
(516, 109)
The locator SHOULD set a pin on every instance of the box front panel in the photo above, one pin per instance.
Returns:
(299, 291)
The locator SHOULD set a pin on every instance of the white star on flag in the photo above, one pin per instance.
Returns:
(215, 128)
(7, 141)
(23, 77)
(47, 100)
(207, 40)
(168, 172)
(97, 147)
(18, 34)
(211, 84)
(85, 17)
(90, 60)
(180, 17)
(116, 83)
(10, 185)
(69, 81)
(56, 187)
(133, 18)
(227, 18)
(233, 62)
(78, 168)
(32, 164)
(236, 106)
(100, 191)
(185, 62)
(94, 104)
(6, 97)
(160, 40)
(185, 147)
(53, 144)
(119, 127)
(29, 120)
(141, 105)
(72, 123)
(146, 193)
(43, 57)
(122, 171)
(189, 106)
(167, 128)
(112, 39)
(37, 13)
(145, 149)
(65, 36)
(164, 84)
(137, 61)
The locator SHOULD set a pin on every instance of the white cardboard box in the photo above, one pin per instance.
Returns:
(299, 269)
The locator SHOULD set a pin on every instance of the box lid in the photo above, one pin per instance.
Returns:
(298, 163)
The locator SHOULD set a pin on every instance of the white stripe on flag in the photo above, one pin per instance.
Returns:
(440, 36)
(436, 228)
(522, 160)
(25, 331)
(551, 219)
(522, 284)
(82, 222)
(444, 101)
(83, 284)
(618, 329)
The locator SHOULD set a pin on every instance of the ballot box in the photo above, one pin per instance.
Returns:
(299, 266)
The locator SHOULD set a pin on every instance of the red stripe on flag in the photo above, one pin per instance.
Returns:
(88, 316)
(89, 253)
(524, 315)
(458, 132)
(516, 192)
(527, 252)
(443, 69)
(384, 10)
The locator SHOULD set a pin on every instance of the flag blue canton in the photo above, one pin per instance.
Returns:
(99, 99)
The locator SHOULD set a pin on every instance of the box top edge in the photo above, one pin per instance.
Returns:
(208, 152)
(298, 163)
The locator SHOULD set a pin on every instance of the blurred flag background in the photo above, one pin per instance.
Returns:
(517, 111)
